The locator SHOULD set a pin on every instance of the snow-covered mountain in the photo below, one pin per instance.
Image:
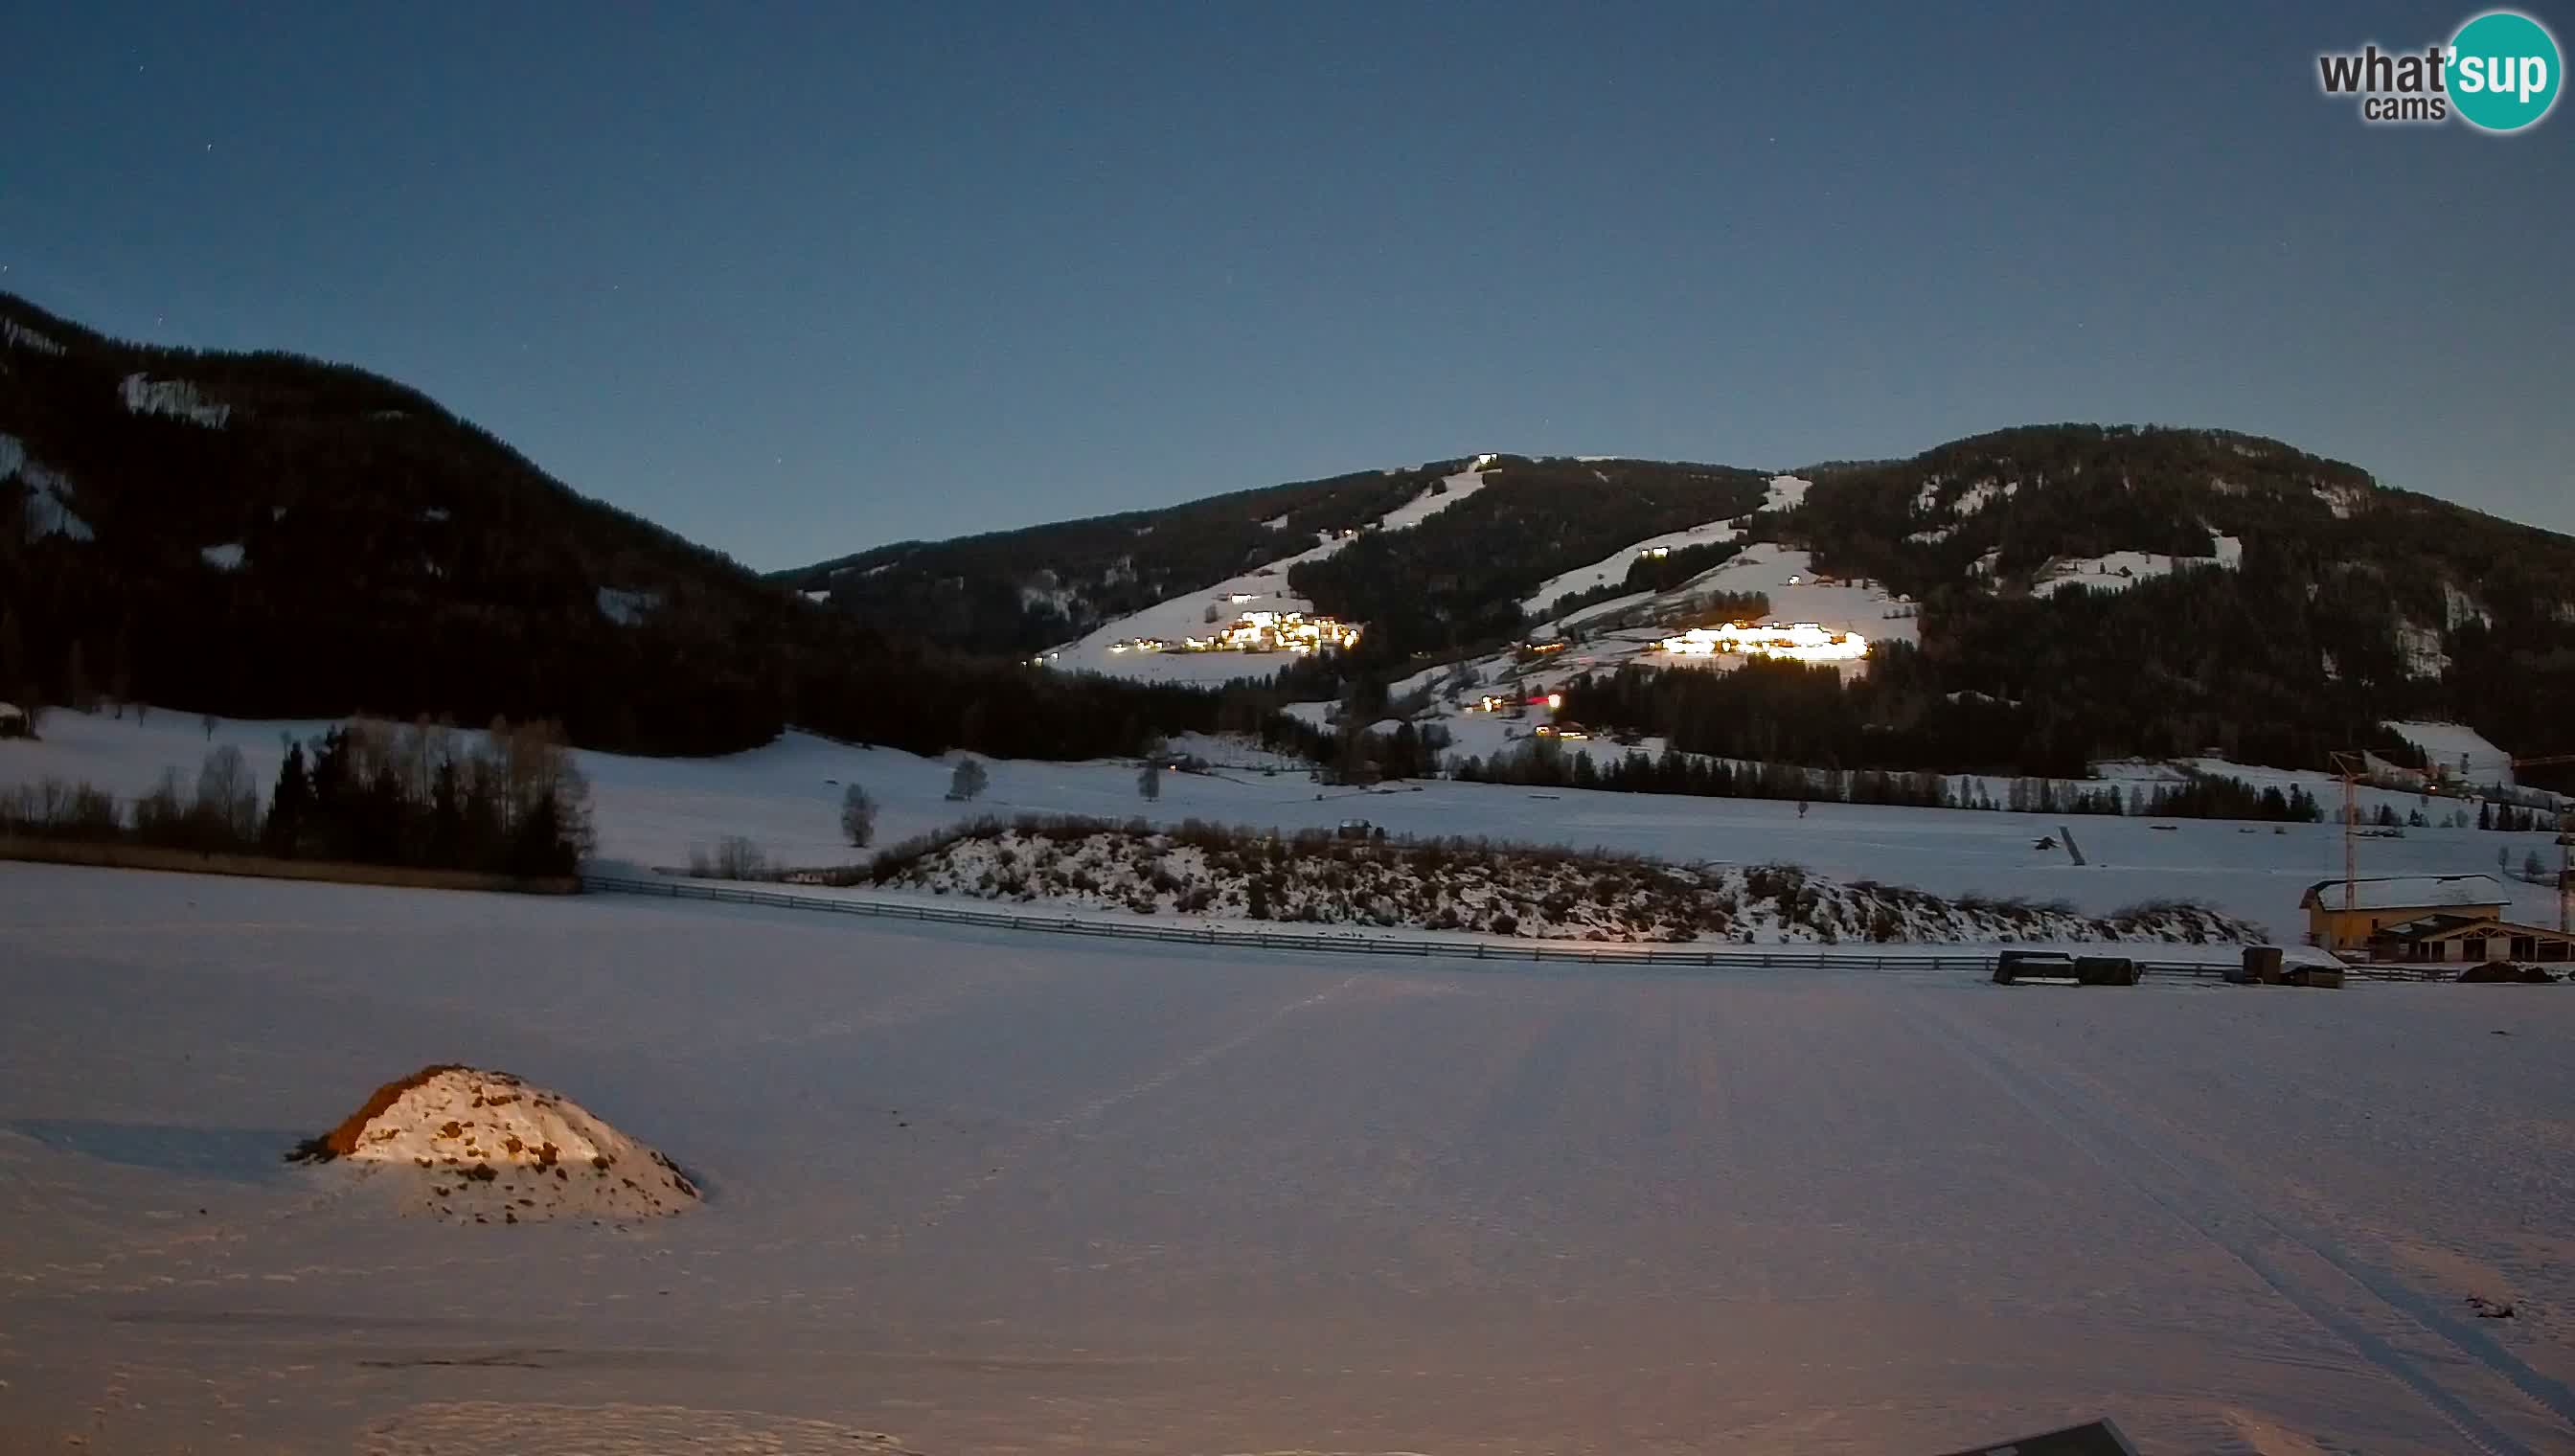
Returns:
(2034, 598)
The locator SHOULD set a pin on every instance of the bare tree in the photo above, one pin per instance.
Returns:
(208, 721)
(227, 795)
(858, 816)
(738, 858)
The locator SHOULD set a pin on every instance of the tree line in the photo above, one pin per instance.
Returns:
(509, 800)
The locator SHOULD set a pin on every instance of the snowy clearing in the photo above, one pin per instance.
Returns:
(963, 1188)
(175, 398)
(48, 505)
(2121, 570)
(15, 334)
(625, 608)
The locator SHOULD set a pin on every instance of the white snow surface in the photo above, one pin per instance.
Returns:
(1982, 494)
(625, 608)
(224, 557)
(48, 505)
(2121, 570)
(15, 334)
(1262, 588)
(1453, 490)
(1210, 1199)
(2405, 892)
(2422, 649)
(1786, 575)
(1785, 492)
(483, 1146)
(2458, 751)
(786, 797)
(1614, 567)
(176, 397)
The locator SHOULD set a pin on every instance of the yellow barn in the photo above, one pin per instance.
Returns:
(2378, 903)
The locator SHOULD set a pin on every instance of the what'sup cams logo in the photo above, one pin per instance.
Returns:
(2500, 73)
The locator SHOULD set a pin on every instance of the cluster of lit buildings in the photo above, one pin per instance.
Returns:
(1802, 642)
(1255, 631)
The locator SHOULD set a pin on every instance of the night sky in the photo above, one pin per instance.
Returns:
(796, 280)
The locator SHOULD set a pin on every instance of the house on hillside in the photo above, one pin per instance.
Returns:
(2376, 904)
(13, 722)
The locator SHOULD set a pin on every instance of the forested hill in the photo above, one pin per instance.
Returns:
(2082, 592)
(266, 534)
(2300, 604)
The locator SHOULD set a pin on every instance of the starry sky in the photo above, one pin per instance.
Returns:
(800, 280)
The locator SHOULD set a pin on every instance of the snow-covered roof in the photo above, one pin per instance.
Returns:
(2406, 892)
(11, 711)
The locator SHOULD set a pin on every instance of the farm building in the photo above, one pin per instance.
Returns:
(13, 722)
(2468, 940)
(2376, 904)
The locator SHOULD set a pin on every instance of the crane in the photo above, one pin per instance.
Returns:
(2565, 844)
(2352, 764)
(2565, 828)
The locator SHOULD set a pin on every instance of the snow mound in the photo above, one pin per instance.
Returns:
(486, 1148)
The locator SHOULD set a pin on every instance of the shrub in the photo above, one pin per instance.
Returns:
(858, 816)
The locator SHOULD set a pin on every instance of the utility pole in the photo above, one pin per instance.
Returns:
(2350, 764)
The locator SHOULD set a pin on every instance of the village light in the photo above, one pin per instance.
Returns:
(1257, 631)
(1802, 642)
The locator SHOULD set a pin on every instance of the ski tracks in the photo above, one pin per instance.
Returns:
(2404, 1335)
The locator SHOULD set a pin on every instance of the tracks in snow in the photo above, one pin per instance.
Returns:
(2405, 1335)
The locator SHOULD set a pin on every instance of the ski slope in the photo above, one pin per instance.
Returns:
(1262, 588)
(2459, 752)
(968, 1192)
(1614, 567)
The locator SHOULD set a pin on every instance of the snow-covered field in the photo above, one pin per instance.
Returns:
(988, 1193)
(786, 797)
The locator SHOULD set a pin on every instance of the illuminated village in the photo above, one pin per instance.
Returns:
(1802, 642)
(1257, 631)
